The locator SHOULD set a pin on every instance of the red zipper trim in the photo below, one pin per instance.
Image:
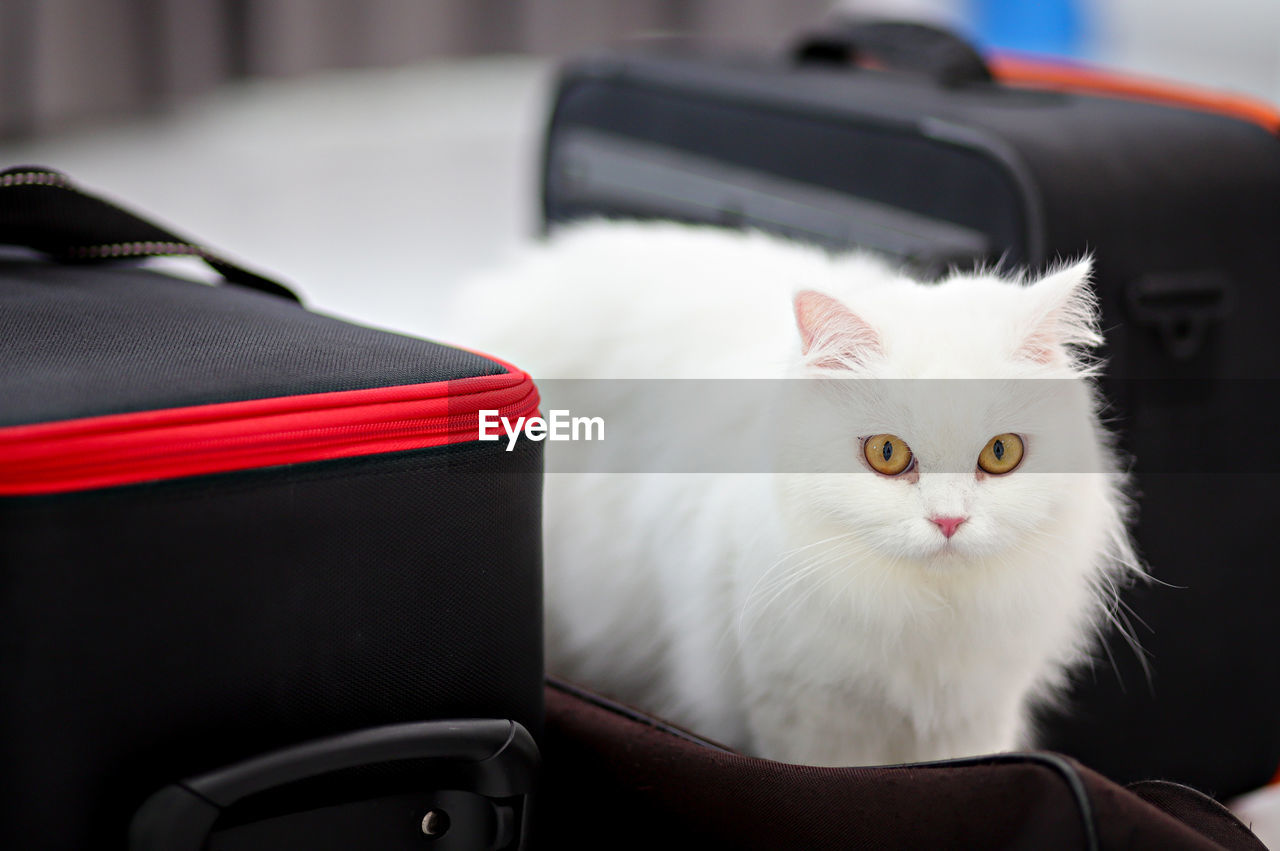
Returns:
(122, 449)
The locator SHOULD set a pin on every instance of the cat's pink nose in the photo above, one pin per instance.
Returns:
(948, 525)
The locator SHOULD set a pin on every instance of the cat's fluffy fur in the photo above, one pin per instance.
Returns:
(808, 616)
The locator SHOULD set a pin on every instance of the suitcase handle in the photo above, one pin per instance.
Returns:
(43, 210)
(938, 54)
(472, 792)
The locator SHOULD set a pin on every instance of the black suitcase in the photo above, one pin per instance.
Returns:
(932, 161)
(253, 560)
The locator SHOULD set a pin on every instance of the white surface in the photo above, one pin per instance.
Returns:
(1260, 810)
(1228, 44)
(370, 191)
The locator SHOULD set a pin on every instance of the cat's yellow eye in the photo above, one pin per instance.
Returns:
(887, 454)
(1001, 454)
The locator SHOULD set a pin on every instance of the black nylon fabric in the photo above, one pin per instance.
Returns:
(85, 341)
(879, 161)
(153, 632)
(670, 790)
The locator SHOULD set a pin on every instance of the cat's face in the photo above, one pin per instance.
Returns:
(953, 418)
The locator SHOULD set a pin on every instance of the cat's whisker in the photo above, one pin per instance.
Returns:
(811, 565)
(785, 557)
(770, 579)
(1130, 613)
(781, 581)
(1116, 612)
(793, 570)
(852, 575)
(837, 558)
(1106, 648)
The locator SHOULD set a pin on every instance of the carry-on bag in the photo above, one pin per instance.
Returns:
(256, 570)
(902, 139)
(617, 778)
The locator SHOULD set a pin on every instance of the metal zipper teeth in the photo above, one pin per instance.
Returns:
(36, 178)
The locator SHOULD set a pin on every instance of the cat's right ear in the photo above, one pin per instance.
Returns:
(831, 335)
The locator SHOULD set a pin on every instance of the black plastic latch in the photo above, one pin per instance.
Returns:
(1182, 307)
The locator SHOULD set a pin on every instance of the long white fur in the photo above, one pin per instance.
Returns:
(807, 616)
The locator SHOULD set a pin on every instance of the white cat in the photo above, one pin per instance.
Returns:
(823, 612)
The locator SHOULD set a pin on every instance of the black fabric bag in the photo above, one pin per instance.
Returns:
(647, 784)
(939, 158)
(229, 526)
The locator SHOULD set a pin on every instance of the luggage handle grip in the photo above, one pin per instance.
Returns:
(933, 52)
(500, 757)
(41, 209)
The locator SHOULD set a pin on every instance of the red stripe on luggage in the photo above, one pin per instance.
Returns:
(1015, 70)
(121, 449)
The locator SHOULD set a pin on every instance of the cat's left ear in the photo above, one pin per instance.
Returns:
(1064, 314)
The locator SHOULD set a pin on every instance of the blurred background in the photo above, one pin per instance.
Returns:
(375, 152)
